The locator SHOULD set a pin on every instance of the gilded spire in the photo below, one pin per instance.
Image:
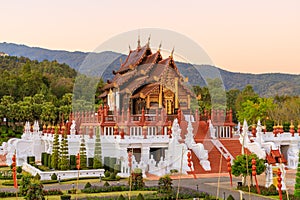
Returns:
(292, 125)
(159, 47)
(172, 52)
(139, 42)
(148, 43)
(129, 48)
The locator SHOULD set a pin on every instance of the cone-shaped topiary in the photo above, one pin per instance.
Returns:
(98, 152)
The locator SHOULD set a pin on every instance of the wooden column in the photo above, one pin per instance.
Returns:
(176, 93)
(160, 97)
(148, 102)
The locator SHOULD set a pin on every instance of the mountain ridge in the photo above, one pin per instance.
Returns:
(265, 84)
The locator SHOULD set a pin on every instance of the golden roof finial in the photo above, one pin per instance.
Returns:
(159, 47)
(139, 42)
(129, 48)
(292, 125)
(148, 43)
(172, 52)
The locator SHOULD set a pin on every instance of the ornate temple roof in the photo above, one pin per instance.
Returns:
(142, 67)
(135, 58)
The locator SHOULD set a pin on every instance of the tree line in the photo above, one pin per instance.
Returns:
(32, 90)
(247, 105)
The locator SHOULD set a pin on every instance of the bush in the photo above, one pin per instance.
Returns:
(112, 162)
(230, 197)
(43, 168)
(117, 168)
(52, 192)
(165, 184)
(49, 160)
(49, 181)
(72, 161)
(107, 173)
(44, 158)
(106, 184)
(53, 176)
(19, 169)
(10, 183)
(121, 197)
(106, 164)
(87, 185)
(270, 191)
(37, 176)
(98, 189)
(31, 160)
(90, 163)
(65, 197)
(140, 197)
(112, 176)
(72, 191)
(7, 194)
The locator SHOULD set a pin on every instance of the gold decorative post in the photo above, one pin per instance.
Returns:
(148, 101)
(160, 97)
(176, 92)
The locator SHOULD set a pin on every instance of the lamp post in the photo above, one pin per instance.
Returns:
(253, 162)
(279, 185)
(228, 159)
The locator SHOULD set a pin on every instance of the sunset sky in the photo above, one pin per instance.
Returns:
(254, 36)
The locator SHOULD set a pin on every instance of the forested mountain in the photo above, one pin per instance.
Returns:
(264, 84)
(21, 77)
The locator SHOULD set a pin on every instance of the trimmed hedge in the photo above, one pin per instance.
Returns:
(72, 161)
(8, 194)
(65, 197)
(98, 189)
(52, 192)
(19, 176)
(90, 163)
(31, 160)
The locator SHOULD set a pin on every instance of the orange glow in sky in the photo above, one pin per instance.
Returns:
(241, 36)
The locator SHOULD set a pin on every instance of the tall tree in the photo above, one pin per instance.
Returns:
(55, 150)
(231, 97)
(217, 93)
(49, 112)
(242, 166)
(97, 152)
(253, 111)
(247, 94)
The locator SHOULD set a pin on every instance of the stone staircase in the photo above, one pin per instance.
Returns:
(231, 145)
(214, 157)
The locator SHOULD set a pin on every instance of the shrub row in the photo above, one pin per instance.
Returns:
(11, 183)
(52, 192)
(19, 176)
(270, 191)
(97, 189)
(7, 194)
